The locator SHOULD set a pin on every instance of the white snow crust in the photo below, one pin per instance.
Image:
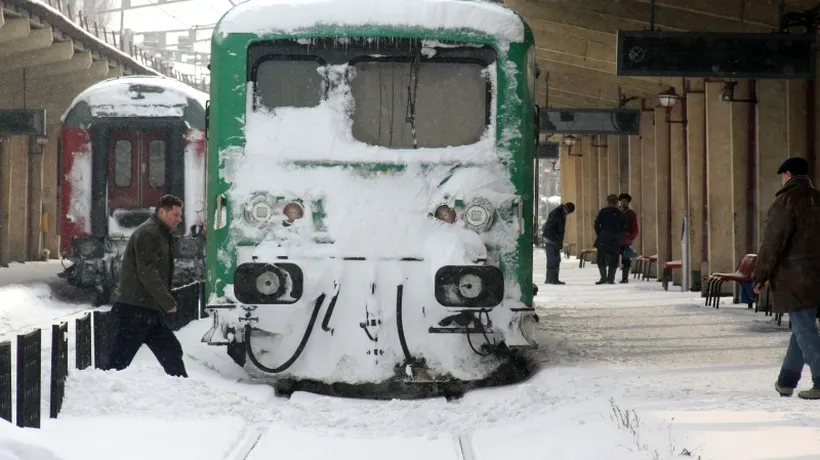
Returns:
(699, 379)
(194, 198)
(112, 98)
(80, 179)
(288, 16)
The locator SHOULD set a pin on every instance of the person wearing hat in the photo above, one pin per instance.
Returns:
(632, 229)
(553, 236)
(789, 261)
(610, 225)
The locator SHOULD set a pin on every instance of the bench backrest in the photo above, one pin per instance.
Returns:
(746, 266)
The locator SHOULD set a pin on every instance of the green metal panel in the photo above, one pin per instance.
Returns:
(228, 107)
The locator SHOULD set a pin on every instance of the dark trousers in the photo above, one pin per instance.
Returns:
(553, 256)
(607, 262)
(138, 326)
(626, 263)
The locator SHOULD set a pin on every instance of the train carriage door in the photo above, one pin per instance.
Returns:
(123, 180)
(153, 167)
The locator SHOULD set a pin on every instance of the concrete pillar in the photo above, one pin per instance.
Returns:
(593, 203)
(649, 208)
(614, 168)
(796, 119)
(580, 194)
(720, 198)
(696, 181)
(601, 152)
(635, 186)
(662, 185)
(678, 186)
(35, 208)
(743, 131)
(5, 200)
(772, 145)
(18, 226)
(566, 164)
(623, 163)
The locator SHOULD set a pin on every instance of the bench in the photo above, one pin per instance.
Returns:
(568, 249)
(743, 273)
(667, 272)
(643, 266)
(583, 256)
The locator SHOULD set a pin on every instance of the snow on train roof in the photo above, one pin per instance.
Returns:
(116, 97)
(267, 16)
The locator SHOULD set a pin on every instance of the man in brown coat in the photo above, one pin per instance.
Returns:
(145, 293)
(789, 260)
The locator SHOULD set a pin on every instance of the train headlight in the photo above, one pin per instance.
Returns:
(445, 213)
(469, 286)
(261, 283)
(478, 215)
(268, 283)
(259, 209)
(293, 211)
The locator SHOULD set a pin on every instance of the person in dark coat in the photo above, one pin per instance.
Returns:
(145, 293)
(553, 236)
(789, 261)
(628, 237)
(610, 225)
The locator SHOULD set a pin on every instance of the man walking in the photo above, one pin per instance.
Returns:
(609, 226)
(789, 260)
(145, 294)
(553, 235)
(628, 237)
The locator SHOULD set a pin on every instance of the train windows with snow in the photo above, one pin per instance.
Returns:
(446, 102)
(288, 81)
(156, 163)
(123, 162)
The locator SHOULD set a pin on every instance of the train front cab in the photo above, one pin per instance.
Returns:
(113, 172)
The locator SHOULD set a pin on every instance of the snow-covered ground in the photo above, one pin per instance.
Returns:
(628, 372)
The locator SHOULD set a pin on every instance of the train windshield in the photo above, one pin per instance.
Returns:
(403, 95)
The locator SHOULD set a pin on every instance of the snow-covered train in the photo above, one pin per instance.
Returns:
(370, 193)
(125, 142)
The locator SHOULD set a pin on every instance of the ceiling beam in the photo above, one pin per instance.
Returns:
(61, 51)
(80, 61)
(35, 40)
(597, 78)
(13, 29)
(610, 16)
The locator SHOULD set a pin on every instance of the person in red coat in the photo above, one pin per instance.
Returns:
(628, 237)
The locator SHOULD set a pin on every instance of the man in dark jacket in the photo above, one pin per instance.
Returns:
(610, 225)
(628, 237)
(553, 235)
(789, 260)
(145, 292)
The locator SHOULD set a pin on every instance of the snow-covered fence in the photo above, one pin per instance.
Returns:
(93, 337)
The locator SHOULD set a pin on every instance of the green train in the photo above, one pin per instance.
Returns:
(369, 182)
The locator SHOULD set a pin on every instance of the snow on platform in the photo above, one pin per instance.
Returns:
(628, 372)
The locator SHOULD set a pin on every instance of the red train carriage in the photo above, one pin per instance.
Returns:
(126, 142)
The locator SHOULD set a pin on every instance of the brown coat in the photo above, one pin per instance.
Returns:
(789, 254)
(147, 267)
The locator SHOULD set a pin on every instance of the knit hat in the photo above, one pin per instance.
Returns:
(795, 165)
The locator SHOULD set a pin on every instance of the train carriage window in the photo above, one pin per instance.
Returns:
(156, 163)
(122, 163)
(293, 82)
(449, 103)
